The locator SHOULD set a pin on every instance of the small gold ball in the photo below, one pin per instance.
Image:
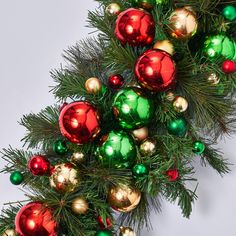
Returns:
(170, 96)
(93, 85)
(180, 104)
(164, 45)
(79, 206)
(113, 9)
(77, 158)
(213, 79)
(9, 232)
(126, 231)
(140, 134)
(148, 147)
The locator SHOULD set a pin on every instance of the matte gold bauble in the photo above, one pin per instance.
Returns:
(126, 231)
(77, 158)
(164, 45)
(9, 232)
(123, 198)
(148, 147)
(140, 134)
(183, 23)
(213, 79)
(93, 85)
(79, 206)
(180, 104)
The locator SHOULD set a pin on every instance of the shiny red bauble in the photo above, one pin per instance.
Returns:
(34, 219)
(135, 27)
(115, 81)
(103, 225)
(79, 122)
(39, 165)
(172, 175)
(155, 70)
(228, 67)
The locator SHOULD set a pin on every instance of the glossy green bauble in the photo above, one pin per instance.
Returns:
(219, 46)
(198, 147)
(140, 171)
(117, 150)
(60, 147)
(104, 232)
(132, 108)
(229, 12)
(16, 178)
(177, 127)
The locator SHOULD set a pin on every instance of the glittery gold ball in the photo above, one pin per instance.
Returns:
(79, 206)
(126, 231)
(93, 85)
(213, 79)
(180, 104)
(183, 23)
(123, 198)
(164, 45)
(140, 134)
(77, 158)
(113, 9)
(9, 232)
(64, 178)
(148, 147)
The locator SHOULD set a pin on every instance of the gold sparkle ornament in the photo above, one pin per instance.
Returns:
(9, 232)
(213, 79)
(93, 85)
(180, 104)
(140, 134)
(183, 23)
(148, 147)
(113, 9)
(77, 158)
(164, 45)
(126, 231)
(79, 206)
(123, 198)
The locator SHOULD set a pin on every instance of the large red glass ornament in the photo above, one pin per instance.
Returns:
(79, 122)
(155, 70)
(135, 27)
(228, 66)
(34, 219)
(39, 165)
(115, 81)
(103, 225)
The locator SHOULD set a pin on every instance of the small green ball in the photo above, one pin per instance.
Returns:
(198, 147)
(229, 12)
(104, 232)
(117, 150)
(59, 147)
(140, 171)
(132, 108)
(177, 127)
(16, 178)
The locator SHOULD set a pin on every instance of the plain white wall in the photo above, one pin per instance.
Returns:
(33, 35)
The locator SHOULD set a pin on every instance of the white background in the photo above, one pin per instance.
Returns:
(33, 35)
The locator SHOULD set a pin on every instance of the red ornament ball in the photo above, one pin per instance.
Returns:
(135, 27)
(103, 225)
(155, 70)
(79, 122)
(173, 175)
(34, 219)
(39, 165)
(228, 67)
(115, 81)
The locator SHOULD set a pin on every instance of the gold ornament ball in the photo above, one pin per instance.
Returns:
(183, 23)
(123, 198)
(93, 85)
(170, 96)
(64, 178)
(126, 231)
(213, 79)
(113, 9)
(148, 147)
(180, 104)
(77, 158)
(164, 45)
(79, 206)
(140, 134)
(9, 232)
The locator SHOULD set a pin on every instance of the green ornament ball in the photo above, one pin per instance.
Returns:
(229, 12)
(104, 232)
(132, 108)
(59, 147)
(117, 150)
(16, 178)
(177, 127)
(140, 171)
(219, 46)
(198, 147)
